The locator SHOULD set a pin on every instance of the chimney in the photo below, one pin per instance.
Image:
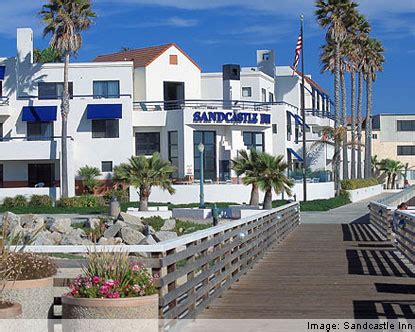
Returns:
(25, 46)
(231, 84)
(266, 62)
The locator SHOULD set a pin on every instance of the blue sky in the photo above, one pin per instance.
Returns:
(214, 32)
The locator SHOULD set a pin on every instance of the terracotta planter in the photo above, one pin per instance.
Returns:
(81, 314)
(11, 312)
(35, 297)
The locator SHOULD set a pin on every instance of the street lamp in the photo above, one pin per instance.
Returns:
(201, 149)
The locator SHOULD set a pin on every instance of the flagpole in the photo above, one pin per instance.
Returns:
(303, 112)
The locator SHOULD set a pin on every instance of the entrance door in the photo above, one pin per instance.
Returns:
(208, 138)
(41, 173)
(224, 170)
(173, 95)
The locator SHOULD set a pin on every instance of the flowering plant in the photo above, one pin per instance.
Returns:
(112, 275)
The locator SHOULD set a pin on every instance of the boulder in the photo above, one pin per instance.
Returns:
(32, 222)
(130, 218)
(131, 235)
(75, 238)
(169, 225)
(113, 230)
(61, 225)
(164, 235)
(149, 240)
(43, 239)
(55, 237)
(12, 220)
(93, 223)
(113, 241)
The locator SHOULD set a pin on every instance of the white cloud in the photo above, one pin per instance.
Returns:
(176, 22)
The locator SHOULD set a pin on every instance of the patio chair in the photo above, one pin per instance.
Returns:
(144, 107)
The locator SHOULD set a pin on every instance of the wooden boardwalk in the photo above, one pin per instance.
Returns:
(341, 271)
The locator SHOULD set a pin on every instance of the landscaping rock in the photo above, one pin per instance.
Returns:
(32, 222)
(165, 235)
(130, 218)
(113, 241)
(131, 236)
(93, 223)
(55, 237)
(113, 230)
(76, 237)
(12, 220)
(43, 239)
(149, 240)
(169, 225)
(62, 225)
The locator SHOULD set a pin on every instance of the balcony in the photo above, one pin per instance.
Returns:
(4, 108)
(319, 118)
(22, 148)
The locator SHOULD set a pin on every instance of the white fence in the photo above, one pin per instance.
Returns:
(237, 193)
(54, 193)
(364, 193)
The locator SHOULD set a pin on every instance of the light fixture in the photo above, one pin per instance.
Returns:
(201, 147)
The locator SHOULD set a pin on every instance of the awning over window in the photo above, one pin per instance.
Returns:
(299, 120)
(294, 117)
(2, 72)
(39, 113)
(104, 111)
(295, 154)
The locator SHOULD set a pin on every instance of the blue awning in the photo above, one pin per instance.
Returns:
(299, 120)
(104, 111)
(2, 72)
(39, 113)
(295, 154)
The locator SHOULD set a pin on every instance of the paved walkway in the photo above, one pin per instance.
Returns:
(326, 270)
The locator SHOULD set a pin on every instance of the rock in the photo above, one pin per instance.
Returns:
(149, 240)
(55, 237)
(169, 225)
(11, 220)
(130, 218)
(165, 235)
(78, 232)
(113, 230)
(93, 223)
(43, 239)
(32, 222)
(110, 242)
(131, 235)
(62, 225)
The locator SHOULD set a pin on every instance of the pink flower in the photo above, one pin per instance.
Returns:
(114, 295)
(110, 283)
(96, 280)
(136, 288)
(104, 289)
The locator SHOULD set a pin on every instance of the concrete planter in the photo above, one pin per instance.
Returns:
(35, 297)
(11, 312)
(365, 193)
(81, 314)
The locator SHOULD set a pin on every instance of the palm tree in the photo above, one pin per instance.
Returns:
(398, 169)
(372, 63)
(65, 21)
(273, 177)
(47, 55)
(392, 168)
(376, 166)
(144, 173)
(246, 164)
(89, 176)
(335, 16)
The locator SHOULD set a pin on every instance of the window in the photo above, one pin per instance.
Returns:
(174, 60)
(41, 173)
(37, 131)
(106, 166)
(264, 95)
(289, 127)
(208, 138)
(147, 143)
(406, 125)
(1, 131)
(106, 89)
(105, 129)
(406, 150)
(52, 90)
(271, 97)
(375, 136)
(1, 176)
(265, 56)
(274, 128)
(253, 140)
(1, 88)
(247, 91)
(297, 134)
(411, 175)
(174, 150)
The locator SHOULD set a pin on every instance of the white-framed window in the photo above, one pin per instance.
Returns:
(106, 166)
(263, 95)
(247, 91)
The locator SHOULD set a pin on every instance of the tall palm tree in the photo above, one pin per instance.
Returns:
(65, 20)
(246, 164)
(335, 15)
(372, 63)
(144, 173)
(47, 55)
(273, 177)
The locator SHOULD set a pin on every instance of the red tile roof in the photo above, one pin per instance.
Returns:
(141, 57)
(311, 82)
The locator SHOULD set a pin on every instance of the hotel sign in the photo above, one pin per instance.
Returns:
(231, 117)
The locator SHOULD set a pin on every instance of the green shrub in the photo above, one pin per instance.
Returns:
(40, 200)
(8, 202)
(81, 201)
(358, 183)
(121, 195)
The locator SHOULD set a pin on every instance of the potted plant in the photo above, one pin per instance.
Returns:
(110, 287)
(29, 277)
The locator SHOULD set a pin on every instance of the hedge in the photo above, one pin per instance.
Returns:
(358, 183)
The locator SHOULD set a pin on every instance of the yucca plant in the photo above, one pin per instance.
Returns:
(89, 175)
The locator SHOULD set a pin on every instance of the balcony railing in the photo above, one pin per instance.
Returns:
(320, 113)
(174, 105)
(32, 138)
(4, 101)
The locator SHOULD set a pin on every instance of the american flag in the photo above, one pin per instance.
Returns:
(297, 52)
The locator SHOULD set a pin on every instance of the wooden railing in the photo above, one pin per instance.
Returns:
(405, 234)
(195, 269)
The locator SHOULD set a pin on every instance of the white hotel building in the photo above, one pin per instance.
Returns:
(149, 100)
